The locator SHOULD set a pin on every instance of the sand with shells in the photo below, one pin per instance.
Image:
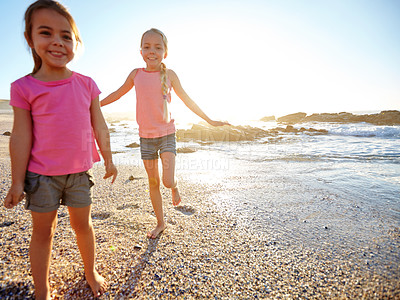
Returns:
(203, 254)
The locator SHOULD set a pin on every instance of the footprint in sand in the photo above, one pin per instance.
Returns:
(127, 206)
(6, 223)
(171, 221)
(101, 215)
(186, 210)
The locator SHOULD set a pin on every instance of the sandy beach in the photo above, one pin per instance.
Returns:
(202, 254)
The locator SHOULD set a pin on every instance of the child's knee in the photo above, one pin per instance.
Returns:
(169, 183)
(82, 227)
(44, 233)
(154, 182)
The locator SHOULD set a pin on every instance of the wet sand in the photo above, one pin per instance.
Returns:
(202, 254)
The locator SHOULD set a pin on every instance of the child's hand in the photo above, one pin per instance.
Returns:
(218, 123)
(111, 170)
(14, 196)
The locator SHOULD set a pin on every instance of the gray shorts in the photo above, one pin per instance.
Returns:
(151, 148)
(47, 193)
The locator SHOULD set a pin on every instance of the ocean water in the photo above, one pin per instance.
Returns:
(339, 191)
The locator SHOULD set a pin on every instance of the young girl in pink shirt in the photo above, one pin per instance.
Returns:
(156, 128)
(56, 118)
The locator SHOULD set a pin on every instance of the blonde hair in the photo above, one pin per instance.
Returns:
(163, 71)
(57, 7)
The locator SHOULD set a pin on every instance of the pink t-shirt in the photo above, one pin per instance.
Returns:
(63, 141)
(150, 105)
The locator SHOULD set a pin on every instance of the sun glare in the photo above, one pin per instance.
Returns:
(240, 70)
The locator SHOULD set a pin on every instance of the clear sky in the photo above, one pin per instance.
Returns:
(236, 59)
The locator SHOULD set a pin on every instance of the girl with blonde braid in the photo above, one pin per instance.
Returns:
(156, 128)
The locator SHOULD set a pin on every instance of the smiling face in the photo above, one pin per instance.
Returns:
(52, 39)
(153, 50)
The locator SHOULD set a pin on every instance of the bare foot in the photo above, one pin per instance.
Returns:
(97, 283)
(156, 231)
(176, 198)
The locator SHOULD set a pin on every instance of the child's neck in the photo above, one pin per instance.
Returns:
(52, 75)
(153, 69)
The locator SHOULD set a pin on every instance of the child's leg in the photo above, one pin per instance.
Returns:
(151, 167)
(81, 222)
(168, 163)
(44, 225)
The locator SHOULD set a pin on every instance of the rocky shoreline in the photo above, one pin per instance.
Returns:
(206, 133)
(387, 117)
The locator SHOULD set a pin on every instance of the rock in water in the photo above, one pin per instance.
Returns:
(293, 118)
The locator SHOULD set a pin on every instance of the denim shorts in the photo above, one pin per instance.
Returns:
(47, 193)
(151, 148)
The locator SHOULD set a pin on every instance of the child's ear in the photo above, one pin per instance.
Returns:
(165, 55)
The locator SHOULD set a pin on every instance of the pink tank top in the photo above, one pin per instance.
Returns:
(150, 105)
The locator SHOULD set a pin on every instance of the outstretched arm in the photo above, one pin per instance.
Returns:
(126, 87)
(103, 139)
(20, 150)
(181, 93)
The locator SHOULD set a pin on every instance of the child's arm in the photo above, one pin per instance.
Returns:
(180, 92)
(103, 138)
(20, 150)
(126, 87)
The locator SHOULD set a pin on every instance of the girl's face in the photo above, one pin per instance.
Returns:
(52, 38)
(153, 51)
